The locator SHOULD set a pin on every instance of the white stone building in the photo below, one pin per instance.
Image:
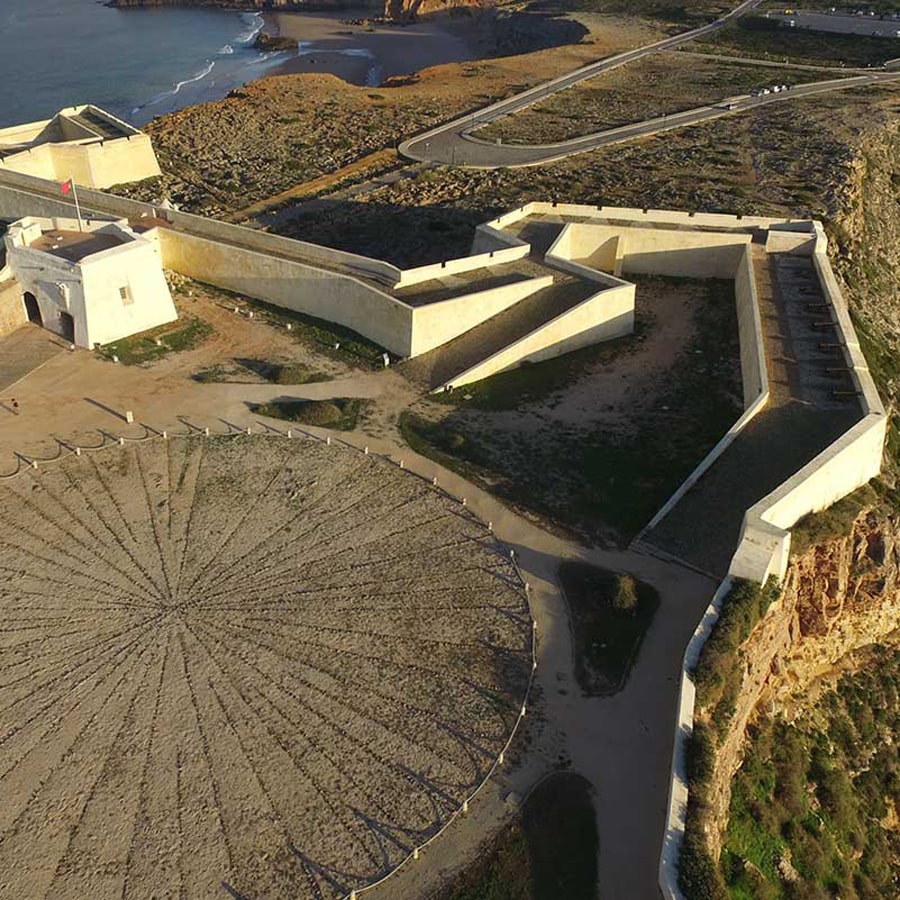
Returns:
(84, 143)
(92, 283)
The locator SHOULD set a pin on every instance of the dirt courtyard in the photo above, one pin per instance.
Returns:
(245, 665)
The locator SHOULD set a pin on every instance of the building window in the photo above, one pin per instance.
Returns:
(125, 295)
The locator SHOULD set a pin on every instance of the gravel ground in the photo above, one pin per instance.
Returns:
(242, 664)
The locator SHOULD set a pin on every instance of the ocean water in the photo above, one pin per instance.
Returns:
(137, 63)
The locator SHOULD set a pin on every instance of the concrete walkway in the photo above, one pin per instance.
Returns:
(23, 351)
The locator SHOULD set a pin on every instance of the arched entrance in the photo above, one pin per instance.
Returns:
(32, 310)
(68, 327)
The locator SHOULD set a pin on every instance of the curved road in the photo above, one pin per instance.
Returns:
(454, 143)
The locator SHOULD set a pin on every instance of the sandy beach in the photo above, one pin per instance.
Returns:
(367, 54)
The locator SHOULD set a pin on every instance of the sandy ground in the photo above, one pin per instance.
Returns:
(275, 665)
(366, 54)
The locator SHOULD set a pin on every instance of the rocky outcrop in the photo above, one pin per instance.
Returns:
(837, 598)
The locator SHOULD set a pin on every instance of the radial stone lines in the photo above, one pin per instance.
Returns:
(253, 665)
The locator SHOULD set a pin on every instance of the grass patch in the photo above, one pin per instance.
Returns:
(820, 792)
(605, 483)
(610, 616)
(718, 673)
(548, 853)
(339, 414)
(538, 382)
(768, 39)
(273, 372)
(831, 523)
(149, 346)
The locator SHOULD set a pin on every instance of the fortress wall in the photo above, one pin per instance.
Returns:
(118, 162)
(71, 161)
(764, 545)
(753, 352)
(437, 323)
(793, 242)
(292, 285)
(606, 315)
(463, 264)
(679, 254)
(489, 238)
(35, 161)
(12, 309)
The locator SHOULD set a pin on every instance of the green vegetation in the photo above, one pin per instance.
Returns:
(340, 414)
(813, 807)
(718, 673)
(273, 372)
(718, 681)
(548, 853)
(834, 522)
(764, 38)
(538, 383)
(149, 346)
(610, 615)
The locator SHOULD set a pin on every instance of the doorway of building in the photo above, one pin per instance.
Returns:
(68, 327)
(32, 310)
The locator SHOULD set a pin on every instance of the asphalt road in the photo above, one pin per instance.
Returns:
(456, 143)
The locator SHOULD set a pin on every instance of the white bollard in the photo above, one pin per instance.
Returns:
(165, 435)
(434, 481)
(366, 451)
(115, 358)
(464, 501)
(416, 853)
(491, 526)
(523, 710)
(290, 433)
(500, 759)
(34, 464)
(337, 346)
(328, 441)
(291, 328)
(237, 310)
(121, 442)
(129, 417)
(72, 347)
(206, 431)
(249, 430)
(465, 808)
(250, 314)
(512, 554)
(78, 451)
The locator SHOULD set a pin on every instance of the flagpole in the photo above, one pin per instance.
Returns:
(77, 206)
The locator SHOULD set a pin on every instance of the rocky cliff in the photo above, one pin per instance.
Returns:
(837, 598)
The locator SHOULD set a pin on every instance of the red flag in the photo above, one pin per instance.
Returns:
(66, 187)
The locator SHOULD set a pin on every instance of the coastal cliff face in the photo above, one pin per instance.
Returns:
(837, 598)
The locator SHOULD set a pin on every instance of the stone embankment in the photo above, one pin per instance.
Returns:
(838, 597)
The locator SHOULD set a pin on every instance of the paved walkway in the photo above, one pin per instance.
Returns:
(23, 351)
(801, 420)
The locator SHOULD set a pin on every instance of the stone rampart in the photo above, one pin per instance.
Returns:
(764, 544)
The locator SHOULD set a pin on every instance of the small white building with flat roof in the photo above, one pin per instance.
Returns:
(91, 283)
(85, 143)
